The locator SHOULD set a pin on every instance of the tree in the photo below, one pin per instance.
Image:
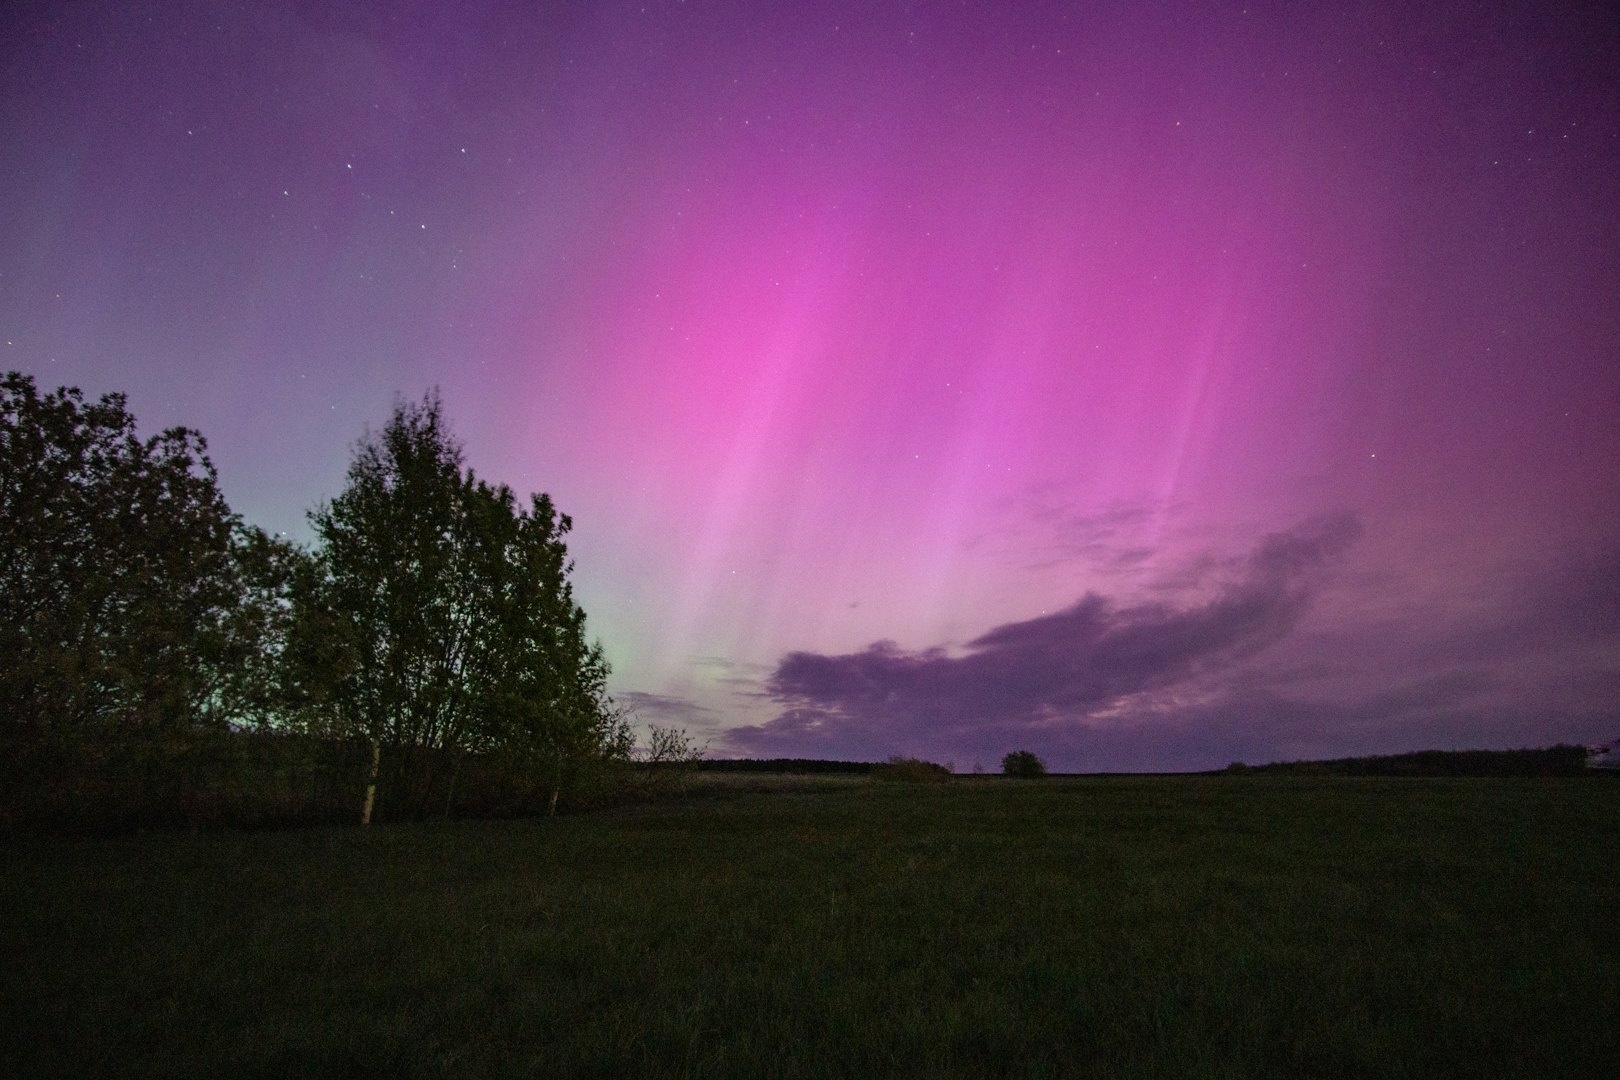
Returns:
(543, 687)
(1024, 764)
(243, 685)
(441, 619)
(670, 755)
(136, 610)
(123, 572)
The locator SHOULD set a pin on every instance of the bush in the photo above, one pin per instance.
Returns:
(668, 758)
(911, 770)
(1024, 764)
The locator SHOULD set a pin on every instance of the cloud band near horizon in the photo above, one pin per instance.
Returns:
(1064, 668)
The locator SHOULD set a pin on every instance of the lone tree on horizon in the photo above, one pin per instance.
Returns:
(1023, 764)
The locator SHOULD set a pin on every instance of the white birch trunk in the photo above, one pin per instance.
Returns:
(371, 783)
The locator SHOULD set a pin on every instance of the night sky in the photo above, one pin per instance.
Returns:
(1150, 386)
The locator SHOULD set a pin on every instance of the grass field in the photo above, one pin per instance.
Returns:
(1195, 926)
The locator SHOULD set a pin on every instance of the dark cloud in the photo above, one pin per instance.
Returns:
(1530, 658)
(1066, 666)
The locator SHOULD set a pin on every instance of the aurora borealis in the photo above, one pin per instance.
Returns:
(1148, 386)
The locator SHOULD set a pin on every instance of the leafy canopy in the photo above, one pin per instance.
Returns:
(132, 601)
(442, 616)
(1023, 763)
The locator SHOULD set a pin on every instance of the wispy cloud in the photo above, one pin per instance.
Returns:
(665, 708)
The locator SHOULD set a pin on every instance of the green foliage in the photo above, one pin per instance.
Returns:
(247, 685)
(1023, 764)
(910, 770)
(165, 663)
(138, 616)
(441, 618)
(117, 562)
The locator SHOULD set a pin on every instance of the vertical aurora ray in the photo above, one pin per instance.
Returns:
(831, 325)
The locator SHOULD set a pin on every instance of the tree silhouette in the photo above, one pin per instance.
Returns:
(138, 616)
(1023, 763)
(124, 575)
(441, 618)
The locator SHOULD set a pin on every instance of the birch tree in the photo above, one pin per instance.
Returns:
(448, 622)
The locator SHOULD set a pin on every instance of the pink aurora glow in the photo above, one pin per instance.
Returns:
(832, 326)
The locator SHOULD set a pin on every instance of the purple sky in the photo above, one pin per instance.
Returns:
(1146, 385)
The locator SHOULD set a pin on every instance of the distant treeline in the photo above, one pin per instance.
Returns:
(781, 765)
(1558, 760)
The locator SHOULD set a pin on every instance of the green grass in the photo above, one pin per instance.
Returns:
(1199, 926)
